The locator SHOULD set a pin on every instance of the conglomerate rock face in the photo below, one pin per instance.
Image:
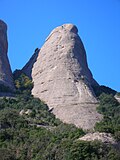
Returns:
(63, 80)
(5, 70)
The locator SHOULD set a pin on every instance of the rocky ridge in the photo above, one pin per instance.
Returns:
(5, 69)
(63, 80)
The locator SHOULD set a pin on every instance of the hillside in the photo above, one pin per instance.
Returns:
(29, 131)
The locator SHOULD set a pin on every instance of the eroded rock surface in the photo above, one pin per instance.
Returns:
(5, 69)
(63, 80)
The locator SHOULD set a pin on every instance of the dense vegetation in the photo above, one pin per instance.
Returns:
(110, 108)
(29, 131)
(4, 88)
(47, 139)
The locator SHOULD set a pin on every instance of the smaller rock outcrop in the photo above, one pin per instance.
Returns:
(25, 112)
(103, 137)
(27, 69)
(6, 78)
(117, 98)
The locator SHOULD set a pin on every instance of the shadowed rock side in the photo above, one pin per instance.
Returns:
(63, 80)
(27, 69)
(5, 69)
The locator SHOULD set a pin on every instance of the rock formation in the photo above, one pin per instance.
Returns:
(63, 80)
(117, 98)
(27, 69)
(5, 70)
(103, 137)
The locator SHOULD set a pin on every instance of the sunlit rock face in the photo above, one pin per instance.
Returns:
(63, 80)
(5, 69)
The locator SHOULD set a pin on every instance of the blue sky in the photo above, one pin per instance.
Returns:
(98, 21)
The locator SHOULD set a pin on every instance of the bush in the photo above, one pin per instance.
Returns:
(23, 82)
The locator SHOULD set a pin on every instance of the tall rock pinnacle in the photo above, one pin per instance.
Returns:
(5, 70)
(63, 80)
